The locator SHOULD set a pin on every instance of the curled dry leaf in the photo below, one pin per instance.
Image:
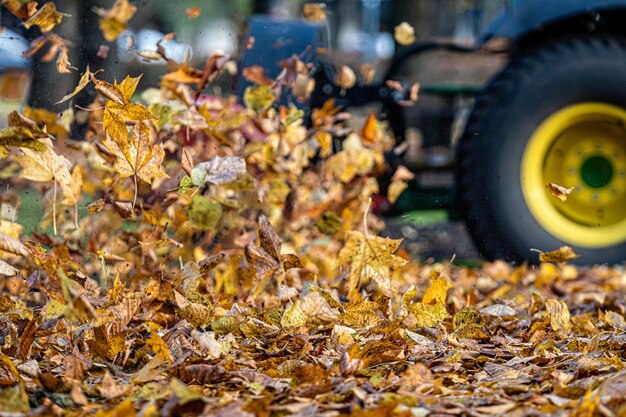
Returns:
(345, 77)
(82, 83)
(367, 73)
(404, 34)
(561, 255)
(559, 191)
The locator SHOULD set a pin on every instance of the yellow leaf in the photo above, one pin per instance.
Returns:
(183, 392)
(559, 315)
(158, 346)
(427, 315)
(197, 314)
(468, 323)
(395, 190)
(374, 251)
(127, 87)
(48, 166)
(404, 34)
(563, 254)
(137, 157)
(20, 137)
(115, 20)
(294, 316)
(258, 97)
(46, 18)
(438, 290)
(82, 83)
(104, 346)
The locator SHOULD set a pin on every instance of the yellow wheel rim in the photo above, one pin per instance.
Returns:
(582, 146)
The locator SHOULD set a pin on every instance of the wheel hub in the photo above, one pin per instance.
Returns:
(583, 147)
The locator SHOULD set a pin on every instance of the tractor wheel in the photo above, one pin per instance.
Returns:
(555, 114)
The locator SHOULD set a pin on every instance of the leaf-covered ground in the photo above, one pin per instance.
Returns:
(228, 265)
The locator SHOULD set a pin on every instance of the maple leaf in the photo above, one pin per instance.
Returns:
(375, 251)
(137, 156)
(118, 109)
(46, 165)
(115, 20)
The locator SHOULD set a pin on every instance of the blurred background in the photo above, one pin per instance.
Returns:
(358, 31)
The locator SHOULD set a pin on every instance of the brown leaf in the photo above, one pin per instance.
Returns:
(563, 254)
(187, 161)
(256, 74)
(211, 262)
(109, 389)
(9, 375)
(26, 340)
(201, 374)
(23, 11)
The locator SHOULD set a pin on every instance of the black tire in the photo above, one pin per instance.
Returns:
(536, 83)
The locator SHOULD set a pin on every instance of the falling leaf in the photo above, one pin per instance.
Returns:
(205, 213)
(559, 191)
(404, 34)
(563, 254)
(258, 97)
(314, 12)
(82, 83)
(115, 20)
(23, 11)
(218, 171)
(345, 77)
(256, 74)
(103, 51)
(46, 18)
(367, 73)
(374, 251)
(137, 156)
(396, 188)
(193, 12)
(21, 137)
(48, 166)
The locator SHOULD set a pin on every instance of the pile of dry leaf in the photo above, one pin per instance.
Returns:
(228, 266)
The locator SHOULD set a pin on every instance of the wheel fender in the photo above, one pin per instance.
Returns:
(523, 17)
